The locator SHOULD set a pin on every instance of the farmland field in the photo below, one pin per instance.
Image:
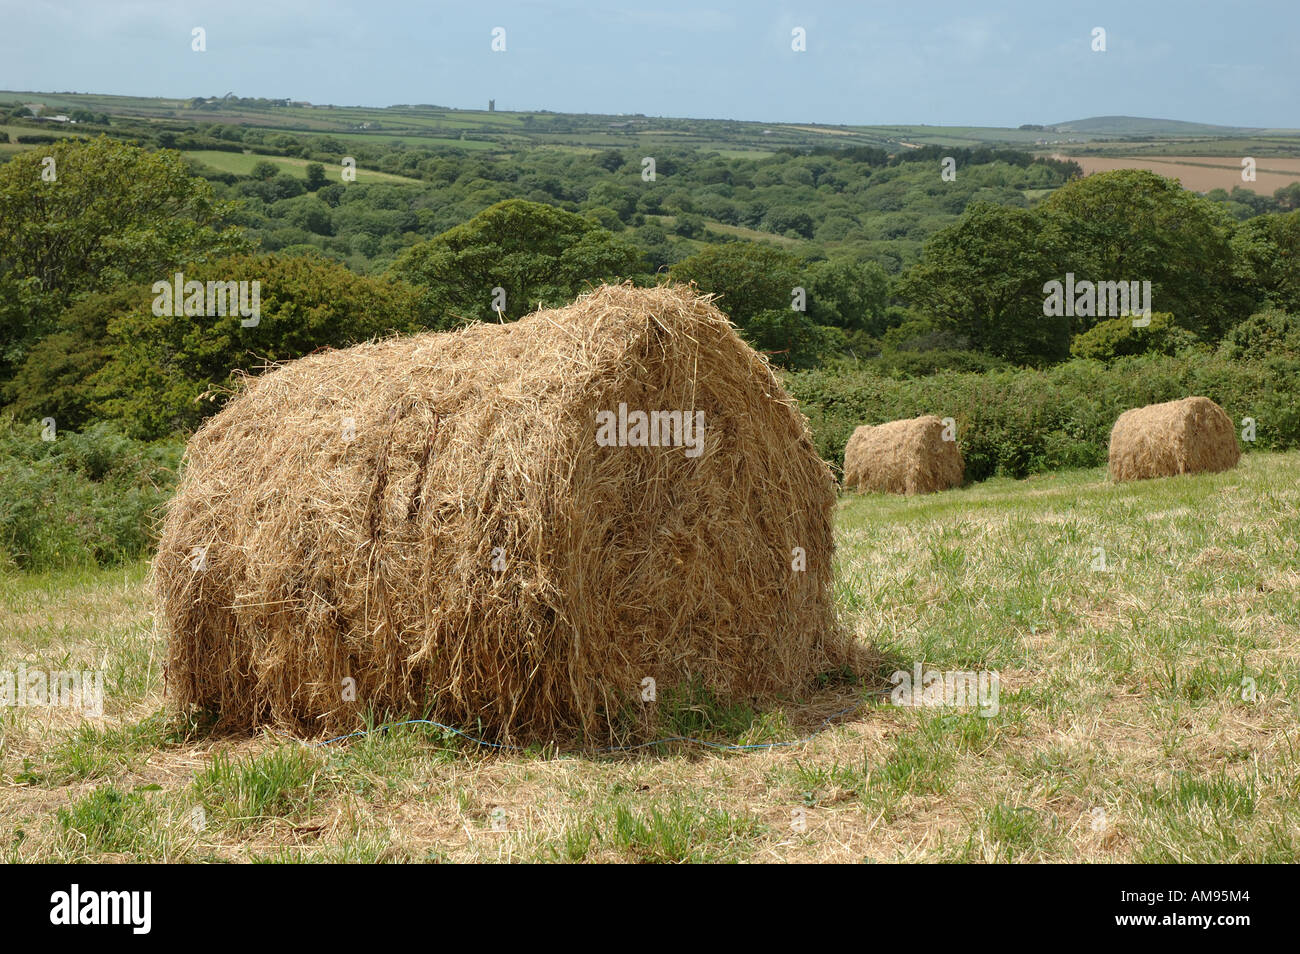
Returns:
(1147, 712)
(241, 163)
(504, 129)
(1203, 173)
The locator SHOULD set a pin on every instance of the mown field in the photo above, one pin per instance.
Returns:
(1147, 713)
(1203, 173)
(242, 163)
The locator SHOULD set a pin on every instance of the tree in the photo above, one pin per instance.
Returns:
(534, 253)
(791, 339)
(165, 373)
(748, 277)
(611, 160)
(283, 186)
(113, 214)
(311, 215)
(264, 170)
(1288, 196)
(849, 295)
(1133, 225)
(54, 378)
(605, 217)
(315, 176)
(983, 278)
(688, 225)
(1267, 253)
(657, 251)
(786, 219)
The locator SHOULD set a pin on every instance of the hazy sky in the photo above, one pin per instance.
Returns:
(956, 62)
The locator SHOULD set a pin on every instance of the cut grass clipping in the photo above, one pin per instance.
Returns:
(429, 526)
(1190, 436)
(902, 457)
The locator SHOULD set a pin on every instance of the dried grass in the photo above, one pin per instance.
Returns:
(1188, 436)
(902, 457)
(372, 559)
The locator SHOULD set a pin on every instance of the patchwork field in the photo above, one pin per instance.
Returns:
(1203, 173)
(1147, 712)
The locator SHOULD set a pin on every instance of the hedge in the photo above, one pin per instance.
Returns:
(1024, 421)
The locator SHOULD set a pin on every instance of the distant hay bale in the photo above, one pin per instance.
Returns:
(440, 522)
(902, 457)
(1188, 436)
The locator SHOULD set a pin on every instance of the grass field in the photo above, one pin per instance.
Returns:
(242, 163)
(1147, 713)
(49, 129)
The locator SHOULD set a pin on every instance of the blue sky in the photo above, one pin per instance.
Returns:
(901, 61)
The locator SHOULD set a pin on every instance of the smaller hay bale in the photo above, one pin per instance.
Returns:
(1189, 436)
(902, 457)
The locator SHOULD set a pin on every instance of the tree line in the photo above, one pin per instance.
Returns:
(81, 340)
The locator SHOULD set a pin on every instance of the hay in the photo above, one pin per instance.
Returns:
(1178, 437)
(473, 555)
(902, 457)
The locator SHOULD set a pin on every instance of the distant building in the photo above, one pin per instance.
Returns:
(492, 105)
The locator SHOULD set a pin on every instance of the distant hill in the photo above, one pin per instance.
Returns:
(1139, 126)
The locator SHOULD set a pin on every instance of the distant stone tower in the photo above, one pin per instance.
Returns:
(492, 105)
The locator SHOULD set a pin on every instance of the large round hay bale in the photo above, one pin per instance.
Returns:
(441, 521)
(1177, 437)
(902, 457)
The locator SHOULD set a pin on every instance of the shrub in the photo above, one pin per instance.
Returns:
(1268, 332)
(915, 364)
(1116, 337)
(81, 499)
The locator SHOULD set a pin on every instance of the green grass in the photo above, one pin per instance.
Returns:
(241, 164)
(44, 129)
(675, 833)
(93, 751)
(248, 792)
(1145, 714)
(108, 821)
